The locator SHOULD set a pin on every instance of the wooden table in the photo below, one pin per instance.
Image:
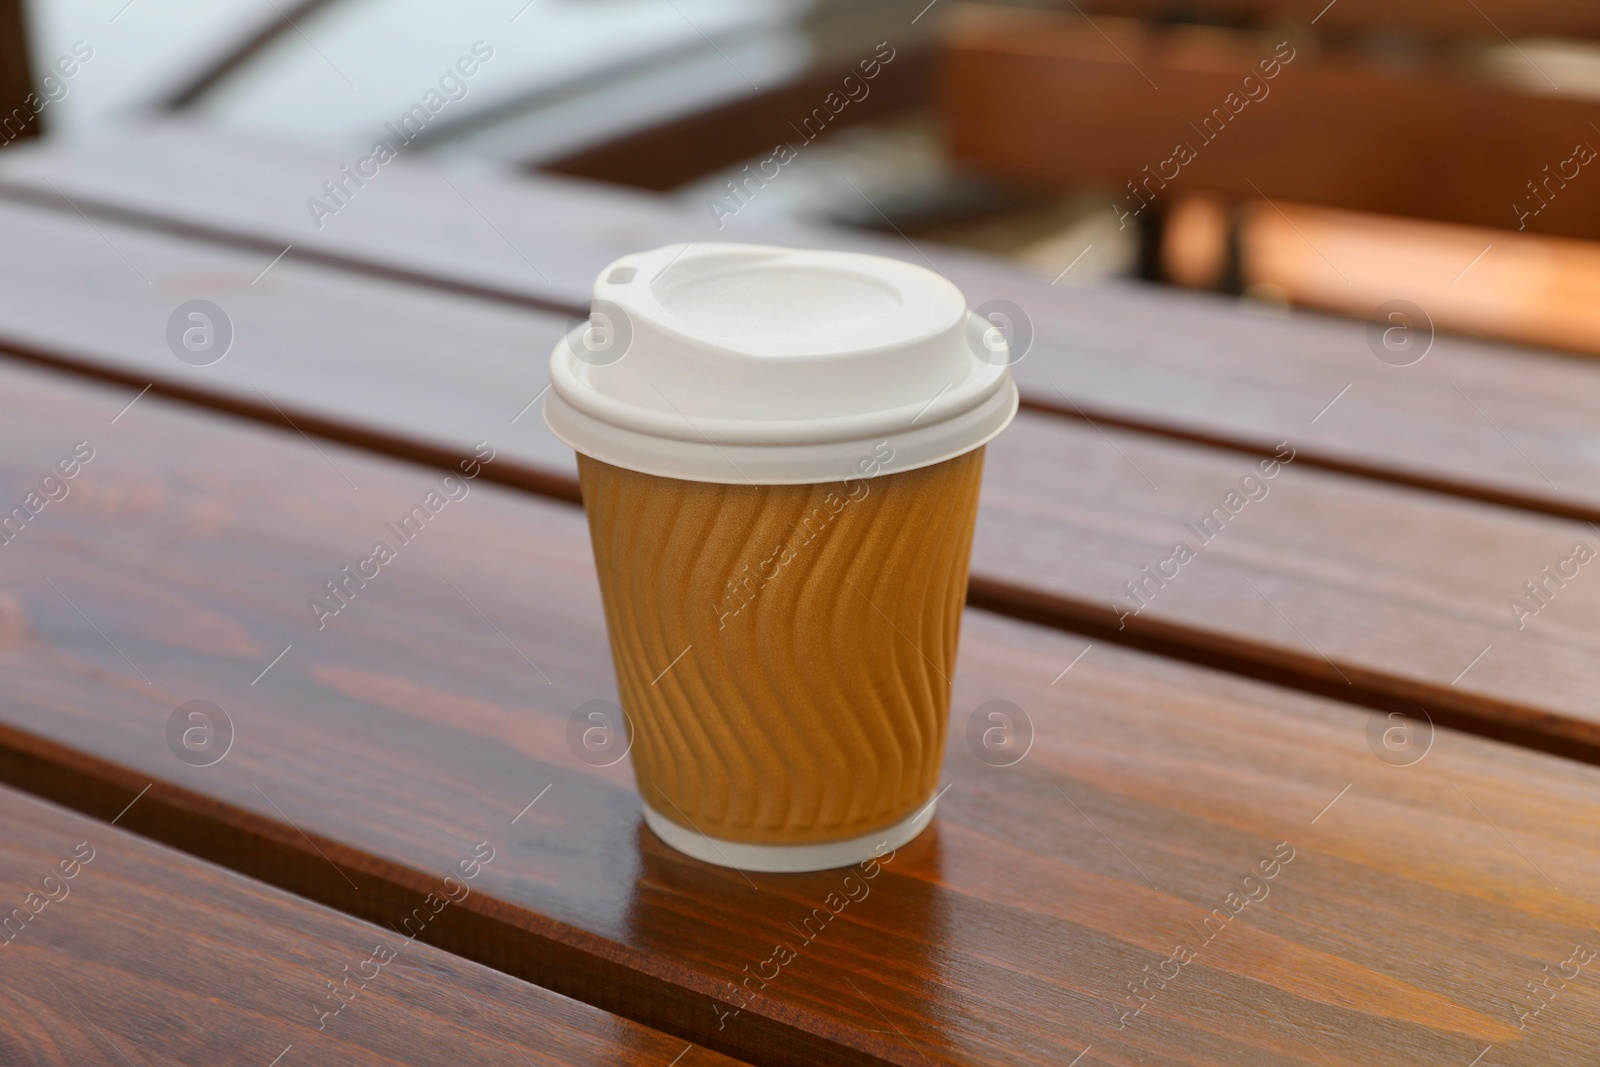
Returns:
(1234, 726)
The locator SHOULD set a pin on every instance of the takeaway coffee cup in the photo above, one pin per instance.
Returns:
(780, 452)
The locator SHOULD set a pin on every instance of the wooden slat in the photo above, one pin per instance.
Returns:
(372, 752)
(1054, 102)
(1373, 594)
(1366, 606)
(116, 950)
(272, 27)
(676, 152)
(1444, 18)
(1482, 421)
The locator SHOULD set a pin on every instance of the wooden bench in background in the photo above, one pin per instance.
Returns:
(1053, 101)
(1406, 167)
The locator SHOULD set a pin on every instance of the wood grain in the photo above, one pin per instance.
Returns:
(1373, 594)
(1483, 421)
(122, 951)
(1049, 100)
(372, 754)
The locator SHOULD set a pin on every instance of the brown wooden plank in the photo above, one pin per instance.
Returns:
(1487, 19)
(1373, 594)
(1373, 611)
(1511, 426)
(1054, 102)
(1482, 421)
(371, 753)
(117, 950)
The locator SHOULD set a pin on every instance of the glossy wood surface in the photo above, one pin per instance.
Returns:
(432, 712)
(1049, 100)
(1375, 594)
(117, 950)
(1474, 419)
(1334, 584)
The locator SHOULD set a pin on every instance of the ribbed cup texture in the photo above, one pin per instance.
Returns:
(820, 623)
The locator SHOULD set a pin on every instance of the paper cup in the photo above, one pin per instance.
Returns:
(781, 469)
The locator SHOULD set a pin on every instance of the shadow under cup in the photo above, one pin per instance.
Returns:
(784, 653)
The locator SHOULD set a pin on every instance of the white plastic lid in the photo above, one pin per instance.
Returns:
(774, 366)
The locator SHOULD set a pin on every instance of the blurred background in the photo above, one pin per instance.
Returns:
(1330, 155)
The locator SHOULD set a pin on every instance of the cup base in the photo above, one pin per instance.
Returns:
(789, 859)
